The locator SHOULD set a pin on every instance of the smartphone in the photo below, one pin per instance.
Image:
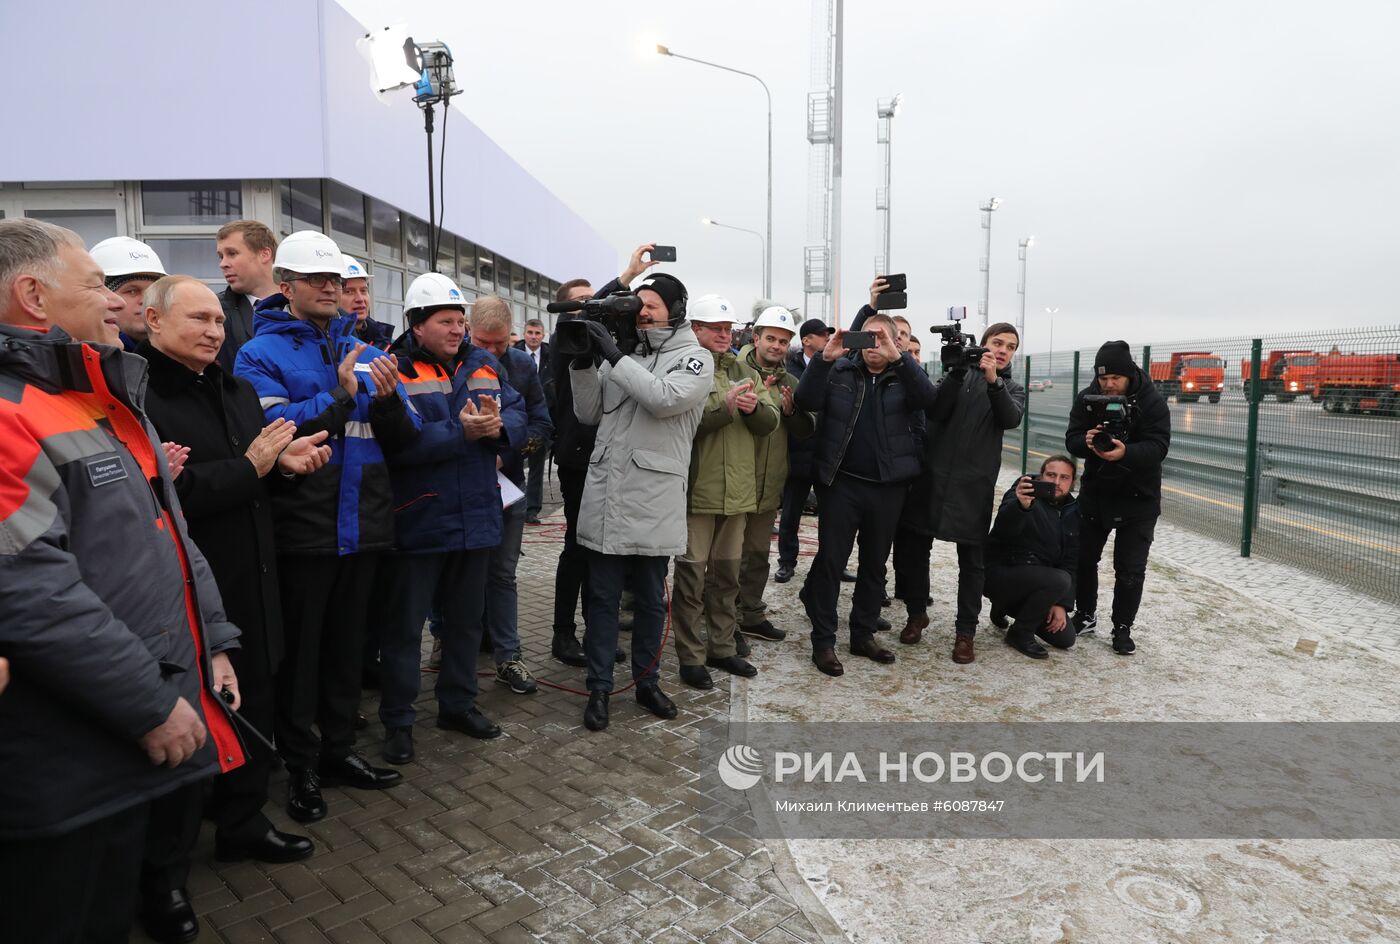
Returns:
(857, 340)
(1044, 488)
(663, 253)
(957, 313)
(896, 283)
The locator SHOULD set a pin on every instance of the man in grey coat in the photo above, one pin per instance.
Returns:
(647, 404)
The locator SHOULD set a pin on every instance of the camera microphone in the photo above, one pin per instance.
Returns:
(558, 308)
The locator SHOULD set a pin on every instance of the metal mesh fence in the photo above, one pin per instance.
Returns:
(1318, 437)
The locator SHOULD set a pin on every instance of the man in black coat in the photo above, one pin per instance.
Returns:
(977, 404)
(814, 334)
(1032, 558)
(1122, 488)
(193, 402)
(537, 348)
(866, 454)
(245, 249)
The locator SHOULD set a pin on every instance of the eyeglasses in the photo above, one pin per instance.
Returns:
(318, 280)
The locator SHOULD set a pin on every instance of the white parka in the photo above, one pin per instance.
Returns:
(647, 408)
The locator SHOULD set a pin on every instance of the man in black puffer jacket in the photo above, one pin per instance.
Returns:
(866, 454)
(1032, 557)
(814, 333)
(1122, 488)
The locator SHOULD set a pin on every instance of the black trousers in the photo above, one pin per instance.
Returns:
(972, 577)
(236, 798)
(324, 602)
(913, 553)
(571, 575)
(78, 888)
(1130, 549)
(795, 492)
(852, 512)
(646, 577)
(172, 830)
(1026, 592)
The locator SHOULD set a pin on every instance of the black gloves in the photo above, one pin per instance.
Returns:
(603, 342)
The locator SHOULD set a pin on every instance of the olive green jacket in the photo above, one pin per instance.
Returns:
(771, 451)
(722, 480)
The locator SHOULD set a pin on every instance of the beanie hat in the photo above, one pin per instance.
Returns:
(668, 287)
(117, 281)
(1114, 358)
(813, 326)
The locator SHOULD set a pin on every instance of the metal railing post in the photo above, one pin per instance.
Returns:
(1026, 421)
(1074, 385)
(1251, 451)
(1147, 360)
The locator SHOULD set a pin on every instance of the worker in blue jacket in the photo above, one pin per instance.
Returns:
(447, 512)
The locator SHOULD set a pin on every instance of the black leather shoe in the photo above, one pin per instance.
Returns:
(272, 846)
(567, 650)
(872, 650)
(620, 656)
(998, 618)
(826, 661)
(169, 917)
(1026, 643)
(1123, 640)
(653, 699)
(696, 677)
(883, 625)
(886, 601)
(595, 716)
(784, 573)
(398, 745)
(733, 665)
(352, 770)
(304, 801)
(764, 630)
(847, 577)
(741, 646)
(473, 723)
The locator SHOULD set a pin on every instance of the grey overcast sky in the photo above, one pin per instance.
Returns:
(1189, 168)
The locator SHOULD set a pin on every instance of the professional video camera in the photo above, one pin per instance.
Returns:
(959, 349)
(1112, 415)
(617, 313)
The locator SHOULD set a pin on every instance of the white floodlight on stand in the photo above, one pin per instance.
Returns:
(396, 62)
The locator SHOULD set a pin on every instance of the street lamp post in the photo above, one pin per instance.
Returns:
(762, 245)
(1050, 357)
(987, 209)
(885, 113)
(1021, 252)
(768, 243)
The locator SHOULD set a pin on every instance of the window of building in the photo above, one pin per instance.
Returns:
(347, 205)
(388, 296)
(388, 231)
(194, 257)
(485, 271)
(301, 206)
(517, 280)
(447, 255)
(416, 235)
(532, 289)
(191, 202)
(466, 264)
(92, 225)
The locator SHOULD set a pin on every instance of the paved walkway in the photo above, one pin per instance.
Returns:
(549, 833)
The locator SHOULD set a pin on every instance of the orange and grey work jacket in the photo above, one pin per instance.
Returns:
(108, 612)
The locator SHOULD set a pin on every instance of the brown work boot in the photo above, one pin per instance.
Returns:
(962, 649)
(914, 628)
(826, 661)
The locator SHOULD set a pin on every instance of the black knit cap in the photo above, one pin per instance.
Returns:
(1114, 358)
(668, 287)
(117, 281)
(813, 326)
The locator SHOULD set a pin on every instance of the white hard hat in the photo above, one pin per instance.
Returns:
(351, 269)
(308, 252)
(712, 309)
(776, 317)
(433, 290)
(122, 255)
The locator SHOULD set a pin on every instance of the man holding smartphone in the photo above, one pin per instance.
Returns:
(1032, 555)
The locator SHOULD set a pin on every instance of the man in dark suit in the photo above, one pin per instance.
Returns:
(535, 345)
(246, 249)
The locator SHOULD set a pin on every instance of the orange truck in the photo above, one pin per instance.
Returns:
(1189, 375)
(1285, 374)
(1359, 383)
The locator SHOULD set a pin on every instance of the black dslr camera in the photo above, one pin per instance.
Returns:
(617, 313)
(959, 350)
(1112, 415)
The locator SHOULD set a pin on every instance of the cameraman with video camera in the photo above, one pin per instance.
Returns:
(639, 373)
(1122, 428)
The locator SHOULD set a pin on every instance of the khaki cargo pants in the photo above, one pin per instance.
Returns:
(707, 588)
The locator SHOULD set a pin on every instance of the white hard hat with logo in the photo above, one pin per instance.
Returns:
(776, 317)
(122, 255)
(308, 252)
(351, 269)
(713, 309)
(433, 290)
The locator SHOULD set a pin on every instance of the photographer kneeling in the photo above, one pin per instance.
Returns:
(1121, 427)
(1032, 554)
